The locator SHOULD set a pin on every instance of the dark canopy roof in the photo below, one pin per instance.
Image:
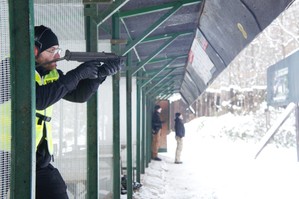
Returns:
(160, 34)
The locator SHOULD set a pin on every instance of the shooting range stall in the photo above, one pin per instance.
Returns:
(170, 46)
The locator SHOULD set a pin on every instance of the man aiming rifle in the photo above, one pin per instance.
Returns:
(100, 57)
(77, 85)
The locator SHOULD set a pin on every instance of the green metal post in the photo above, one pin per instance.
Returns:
(138, 130)
(129, 127)
(91, 31)
(148, 129)
(22, 65)
(144, 137)
(116, 117)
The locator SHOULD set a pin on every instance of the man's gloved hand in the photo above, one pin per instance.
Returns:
(88, 70)
(110, 67)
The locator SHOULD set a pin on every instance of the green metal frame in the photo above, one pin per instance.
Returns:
(129, 129)
(144, 130)
(151, 57)
(162, 69)
(148, 128)
(22, 33)
(21, 22)
(116, 119)
(158, 8)
(160, 81)
(142, 95)
(138, 131)
(110, 11)
(161, 89)
(92, 115)
(152, 28)
(143, 137)
(143, 150)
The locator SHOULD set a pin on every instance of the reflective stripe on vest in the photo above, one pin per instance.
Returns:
(49, 78)
(5, 126)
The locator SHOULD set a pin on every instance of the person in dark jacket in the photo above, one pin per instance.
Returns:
(77, 85)
(179, 134)
(156, 132)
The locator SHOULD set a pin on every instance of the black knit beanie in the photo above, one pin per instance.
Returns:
(44, 38)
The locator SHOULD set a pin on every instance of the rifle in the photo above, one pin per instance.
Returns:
(87, 56)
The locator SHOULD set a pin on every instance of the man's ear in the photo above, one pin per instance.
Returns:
(35, 51)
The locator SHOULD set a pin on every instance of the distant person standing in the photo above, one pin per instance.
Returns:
(179, 134)
(156, 132)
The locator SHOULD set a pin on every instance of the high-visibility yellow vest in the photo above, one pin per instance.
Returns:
(5, 126)
(49, 78)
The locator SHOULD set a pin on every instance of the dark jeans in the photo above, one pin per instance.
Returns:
(50, 184)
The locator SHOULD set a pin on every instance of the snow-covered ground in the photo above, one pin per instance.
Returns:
(216, 168)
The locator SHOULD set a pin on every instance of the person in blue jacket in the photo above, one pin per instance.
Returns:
(179, 134)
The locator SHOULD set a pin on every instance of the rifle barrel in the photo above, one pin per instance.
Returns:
(88, 56)
(85, 56)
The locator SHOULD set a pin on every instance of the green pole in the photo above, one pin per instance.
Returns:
(138, 130)
(116, 117)
(22, 65)
(148, 136)
(91, 36)
(129, 127)
(144, 137)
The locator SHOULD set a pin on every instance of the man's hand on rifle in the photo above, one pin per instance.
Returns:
(96, 70)
(88, 70)
(110, 67)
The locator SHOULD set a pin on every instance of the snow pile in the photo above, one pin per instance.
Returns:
(217, 166)
(154, 181)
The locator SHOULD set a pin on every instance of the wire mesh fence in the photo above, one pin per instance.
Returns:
(5, 101)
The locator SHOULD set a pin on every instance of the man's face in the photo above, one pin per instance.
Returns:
(159, 110)
(47, 56)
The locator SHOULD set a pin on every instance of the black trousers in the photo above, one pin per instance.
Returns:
(50, 184)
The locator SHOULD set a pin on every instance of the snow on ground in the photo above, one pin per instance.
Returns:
(215, 168)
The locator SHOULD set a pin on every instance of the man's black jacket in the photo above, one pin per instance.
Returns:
(156, 122)
(47, 95)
